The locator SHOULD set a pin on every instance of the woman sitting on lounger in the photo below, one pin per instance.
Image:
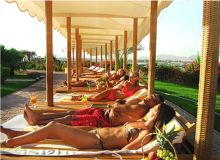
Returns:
(122, 112)
(128, 88)
(128, 136)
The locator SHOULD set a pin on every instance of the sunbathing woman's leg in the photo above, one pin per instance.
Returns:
(101, 96)
(12, 133)
(34, 118)
(70, 135)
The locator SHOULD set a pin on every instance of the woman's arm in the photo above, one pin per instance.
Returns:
(137, 143)
(144, 82)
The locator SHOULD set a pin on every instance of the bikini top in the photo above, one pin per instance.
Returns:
(131, 131)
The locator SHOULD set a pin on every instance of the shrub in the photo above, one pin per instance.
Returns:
(4, 73)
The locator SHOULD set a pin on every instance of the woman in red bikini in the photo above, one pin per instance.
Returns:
(127, 89)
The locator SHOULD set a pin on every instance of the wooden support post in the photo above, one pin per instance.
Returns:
(84, 58)
(90, 57)
(134, 62)
(73, 49)
(125, 50)
(110, 56)
(153, 38)
(80, 56)
(207, 81)
(69, 76)
(96, 56)
(116, 53)
(106, 49)
(77, 53)
(101, 58)
(49, 57)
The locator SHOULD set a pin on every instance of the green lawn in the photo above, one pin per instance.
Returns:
(10, 87)
(185, 97)
(26, 76)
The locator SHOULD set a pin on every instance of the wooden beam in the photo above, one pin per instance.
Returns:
(135, 31)
(96, 56)
(95, 15)
(153, 40)
(101, 57)
(125, 50)
(100, 34)
(49, 57)
(207, 81)
(77, 53)
(116, 53)
(92, 27)
(110, 55)
(106, 50)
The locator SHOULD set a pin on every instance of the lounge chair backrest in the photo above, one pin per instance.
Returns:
(96, 69)
(101, 70)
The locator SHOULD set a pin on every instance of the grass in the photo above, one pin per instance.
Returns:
(10, 87)
(185, 97)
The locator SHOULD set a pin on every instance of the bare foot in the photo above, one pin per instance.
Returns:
(10, 133)
(3, 144)
(30, 116)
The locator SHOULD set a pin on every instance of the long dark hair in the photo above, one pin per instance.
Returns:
(166, 113)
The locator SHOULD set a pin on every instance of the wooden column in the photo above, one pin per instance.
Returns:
(49, 56)
(125, 50)
(73, 49)
(116, 53)
(208, 81)
(134, 62)
(110, 56)
(90, 57)
(80, 56)
(153, 38)
(101, 58)
(77, 53)
(96, 56)
(84, 58)
(68, 24)
(106, 49)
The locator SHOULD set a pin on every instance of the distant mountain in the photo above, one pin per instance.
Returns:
(176, 58)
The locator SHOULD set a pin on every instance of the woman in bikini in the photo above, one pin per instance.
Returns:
(128, 136)
(131, 111)
(127, 89)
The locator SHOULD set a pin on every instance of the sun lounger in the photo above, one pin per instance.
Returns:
(59, 148)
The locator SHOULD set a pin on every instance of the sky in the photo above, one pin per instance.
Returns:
(179, 30)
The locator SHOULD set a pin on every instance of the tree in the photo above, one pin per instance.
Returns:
(129, 51)
(11, 58)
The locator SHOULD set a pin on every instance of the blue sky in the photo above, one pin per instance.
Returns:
(179, 30)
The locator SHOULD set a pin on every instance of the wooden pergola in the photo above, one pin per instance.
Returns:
(92, 40)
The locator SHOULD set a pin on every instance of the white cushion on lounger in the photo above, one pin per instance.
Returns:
(101, 70)
(96, 69)
(92, 67)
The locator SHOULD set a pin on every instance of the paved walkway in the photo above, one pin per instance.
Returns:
(12, 105)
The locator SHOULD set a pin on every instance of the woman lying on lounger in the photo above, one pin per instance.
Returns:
(122, 112)
(128, 136)
(128, 88)
(116, 78)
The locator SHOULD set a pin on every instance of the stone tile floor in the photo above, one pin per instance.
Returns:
(13, 104)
